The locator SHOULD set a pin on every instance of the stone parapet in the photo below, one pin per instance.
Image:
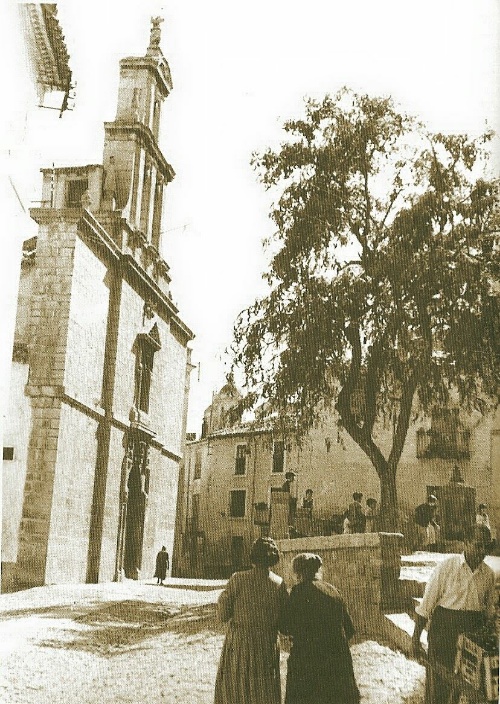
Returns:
(363, 566)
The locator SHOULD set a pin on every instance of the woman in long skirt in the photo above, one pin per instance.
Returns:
(320, 665)
(251, 604)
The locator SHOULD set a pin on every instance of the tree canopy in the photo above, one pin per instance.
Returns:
(384, 281)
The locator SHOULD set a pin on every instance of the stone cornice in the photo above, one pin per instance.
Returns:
(157, 65)
(80, 170)
(117, 129)
(160, 300)
(46, 45)
(99, 240)
(45, 216)
(99, 415)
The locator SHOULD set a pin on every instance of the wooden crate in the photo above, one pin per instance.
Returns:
(477, 668)
(469, 661)
(491, 677)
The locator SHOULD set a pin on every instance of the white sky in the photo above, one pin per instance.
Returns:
(239, 70)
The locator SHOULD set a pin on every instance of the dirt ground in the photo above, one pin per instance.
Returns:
(138, 642)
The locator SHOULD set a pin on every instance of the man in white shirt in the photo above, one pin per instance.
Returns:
(459, 597)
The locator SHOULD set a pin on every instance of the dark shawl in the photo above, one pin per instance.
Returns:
(320, 665)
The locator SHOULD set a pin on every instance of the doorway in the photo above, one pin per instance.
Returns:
(135, 510)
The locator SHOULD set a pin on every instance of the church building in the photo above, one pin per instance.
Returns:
(100, 374)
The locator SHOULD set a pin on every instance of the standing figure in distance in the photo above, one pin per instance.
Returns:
(428, 530)
(371, 516)
(356, 515)
(483, 519)
(459, 597)
(249, 667)
(162, 565)
(308, 501)
(320, 665)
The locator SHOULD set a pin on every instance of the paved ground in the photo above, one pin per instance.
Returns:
(136, 642)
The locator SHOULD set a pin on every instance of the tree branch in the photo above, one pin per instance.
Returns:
(405, 406)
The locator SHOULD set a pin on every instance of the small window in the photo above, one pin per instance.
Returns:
(75, 188)
(237, 503)
(241, 459)
(197, 465)
(8, 453)
(278, 456)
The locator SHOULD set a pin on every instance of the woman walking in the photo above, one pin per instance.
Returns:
(162, 565)
(320, 665)
(252, 602)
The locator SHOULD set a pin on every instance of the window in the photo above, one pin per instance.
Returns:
(145, 370)
(75, 188)
(195, 510)
(145, 347)
(278, 456)
(447, 438)
(8, 453)
(197, 465)
(237, 500)
(241, 459)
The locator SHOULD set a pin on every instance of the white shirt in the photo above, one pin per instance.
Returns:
(453, 585)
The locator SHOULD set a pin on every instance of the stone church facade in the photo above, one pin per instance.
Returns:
(100, 374)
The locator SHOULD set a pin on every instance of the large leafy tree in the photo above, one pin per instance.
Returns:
(383, 283)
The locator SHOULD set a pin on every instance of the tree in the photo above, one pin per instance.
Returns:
(383, 287)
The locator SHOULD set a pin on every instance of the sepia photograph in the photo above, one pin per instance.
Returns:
(250, 361)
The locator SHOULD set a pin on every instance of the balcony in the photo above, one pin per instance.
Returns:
(452, 445)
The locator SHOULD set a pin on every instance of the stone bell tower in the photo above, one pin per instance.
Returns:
(135, 170)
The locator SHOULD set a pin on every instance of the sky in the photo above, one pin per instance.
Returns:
(239, 70)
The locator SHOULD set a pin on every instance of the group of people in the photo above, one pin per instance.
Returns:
(359, 519)
(428, 530)
(459, 597)
(257, 606)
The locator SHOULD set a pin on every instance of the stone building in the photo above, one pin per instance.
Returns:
(37, 74)
(231, 477)
(96, 423)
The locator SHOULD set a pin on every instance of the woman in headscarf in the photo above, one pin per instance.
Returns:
(320, 665)
(252, 603)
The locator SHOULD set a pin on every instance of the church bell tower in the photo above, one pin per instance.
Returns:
(135, 170)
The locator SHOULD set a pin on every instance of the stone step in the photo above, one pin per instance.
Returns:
(399, 629)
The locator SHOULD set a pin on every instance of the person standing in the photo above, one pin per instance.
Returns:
(483, 519)
(162, 565)
(459, 597)
(308, 501)
(428, 530)
(319, 668)
(251, 603)
(371, 516)
(356, 515)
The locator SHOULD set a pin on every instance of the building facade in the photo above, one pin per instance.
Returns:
(35, 71)
(233, 477)
(100, 374)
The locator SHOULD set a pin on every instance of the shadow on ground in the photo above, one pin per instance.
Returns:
(119, 626)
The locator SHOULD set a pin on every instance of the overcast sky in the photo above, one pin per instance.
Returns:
(239, 70)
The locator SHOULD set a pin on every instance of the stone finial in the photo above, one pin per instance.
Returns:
(155, 35)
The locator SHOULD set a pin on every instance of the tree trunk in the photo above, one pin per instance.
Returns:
(388, 521)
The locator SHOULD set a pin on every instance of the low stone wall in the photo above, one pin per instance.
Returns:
(364, 567)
